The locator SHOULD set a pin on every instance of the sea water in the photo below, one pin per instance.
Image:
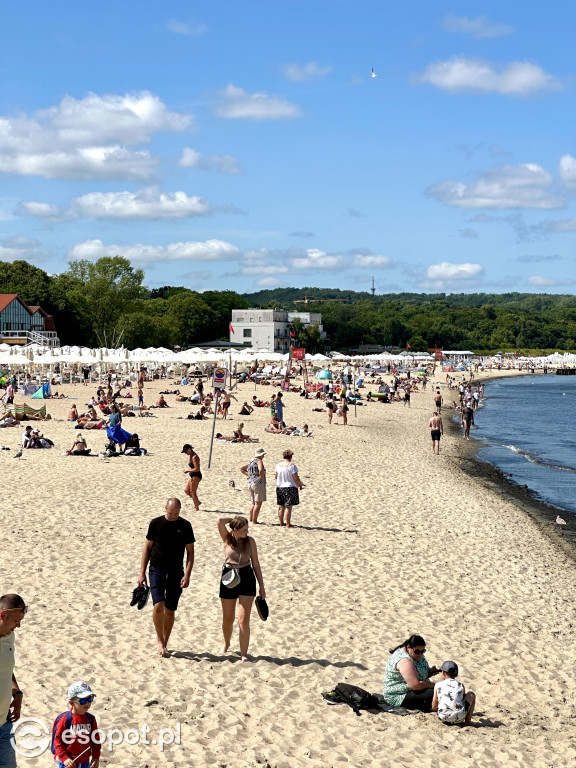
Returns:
(527, 427)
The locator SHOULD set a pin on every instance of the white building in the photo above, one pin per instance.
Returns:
(268, 328)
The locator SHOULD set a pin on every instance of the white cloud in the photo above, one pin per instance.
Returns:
(460, 74)
(542, 281)
(88, 138)
(19, 248)
(147, 204)
(501, 187)
(268, 282)
(568, 169)
(316, 259)
(303, 73)
(263, 269)
(44, 211)
(447, 271)
(184, 28)
(210, 250)
(562, 225)
(221, 163)
(479, 27)
(237, 104)
(368, 261)
(469, 233)
(448, 275)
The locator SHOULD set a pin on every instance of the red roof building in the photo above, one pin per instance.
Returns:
(23, 324)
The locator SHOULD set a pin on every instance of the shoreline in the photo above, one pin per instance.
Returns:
(490, 477)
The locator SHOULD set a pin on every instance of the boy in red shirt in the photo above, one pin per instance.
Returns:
(72, 741)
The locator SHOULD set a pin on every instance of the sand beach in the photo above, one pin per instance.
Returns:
(388, 540)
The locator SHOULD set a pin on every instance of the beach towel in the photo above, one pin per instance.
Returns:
(117, 434)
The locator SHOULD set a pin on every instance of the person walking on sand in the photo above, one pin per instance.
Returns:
(467, 420)
(438, 400)
(13, 609)
(194, 474)
(239, 553)
(225, 402)
(287, 485)
(436, 430)
(168, 537)
(256, 474)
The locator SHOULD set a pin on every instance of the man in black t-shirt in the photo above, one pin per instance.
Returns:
(168, 537)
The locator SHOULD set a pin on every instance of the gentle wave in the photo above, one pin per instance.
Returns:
(533, 459)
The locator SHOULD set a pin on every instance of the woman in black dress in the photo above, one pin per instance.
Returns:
(194, 475)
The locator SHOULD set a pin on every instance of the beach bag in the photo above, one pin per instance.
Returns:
(232, 578)
(67, 724)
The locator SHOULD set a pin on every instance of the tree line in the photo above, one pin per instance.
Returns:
(105, 303)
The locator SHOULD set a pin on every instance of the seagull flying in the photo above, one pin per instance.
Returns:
(374, 73)
(18, 454)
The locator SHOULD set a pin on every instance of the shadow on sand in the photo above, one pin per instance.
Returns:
(291, 661)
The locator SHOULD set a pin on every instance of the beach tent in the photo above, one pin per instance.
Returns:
(43, 392)
(324, 375)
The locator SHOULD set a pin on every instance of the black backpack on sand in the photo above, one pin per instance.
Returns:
(355, 697)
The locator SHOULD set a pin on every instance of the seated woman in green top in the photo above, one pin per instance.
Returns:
(406, 679)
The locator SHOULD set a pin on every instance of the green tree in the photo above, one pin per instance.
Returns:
(417, 344)
(191, 319)
(29, 282)
(108, 289)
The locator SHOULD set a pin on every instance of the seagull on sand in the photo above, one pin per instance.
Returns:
(18, 454)
(559, 521)
(373, 73)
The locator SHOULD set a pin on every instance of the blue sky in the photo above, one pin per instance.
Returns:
(246, 145)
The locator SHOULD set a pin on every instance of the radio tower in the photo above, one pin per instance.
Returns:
(373, 289)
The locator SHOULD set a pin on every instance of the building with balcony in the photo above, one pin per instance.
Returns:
(22, 324)
(268, 328)
(261, 329)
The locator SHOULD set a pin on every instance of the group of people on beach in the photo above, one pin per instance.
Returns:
(166, 567)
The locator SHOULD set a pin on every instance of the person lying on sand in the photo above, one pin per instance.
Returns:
(260, 403)
(84, 423)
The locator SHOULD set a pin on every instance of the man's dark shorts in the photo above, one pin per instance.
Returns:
(165, 587)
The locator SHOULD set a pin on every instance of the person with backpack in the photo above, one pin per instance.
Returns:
(73, 744)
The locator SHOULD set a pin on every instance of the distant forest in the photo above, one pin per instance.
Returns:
(481, 322)
(106, 303)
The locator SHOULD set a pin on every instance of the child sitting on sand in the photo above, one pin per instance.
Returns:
(453, 704)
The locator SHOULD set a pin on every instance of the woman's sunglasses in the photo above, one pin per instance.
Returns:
(419, 651)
